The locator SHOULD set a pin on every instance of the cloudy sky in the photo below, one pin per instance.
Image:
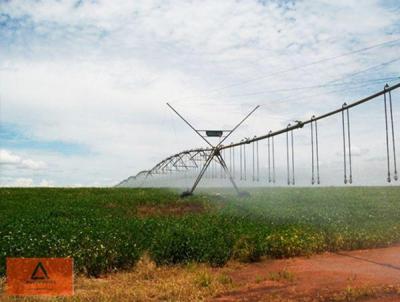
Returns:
(83, 84)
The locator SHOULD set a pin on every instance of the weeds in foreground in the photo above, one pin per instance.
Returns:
(354, 294)
(283, 275)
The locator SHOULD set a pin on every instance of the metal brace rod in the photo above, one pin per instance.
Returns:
(199, 177)
(223, 164)
(190, 125)
(237, 126)
(215, 152)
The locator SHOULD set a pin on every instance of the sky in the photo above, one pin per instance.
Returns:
(84, 84)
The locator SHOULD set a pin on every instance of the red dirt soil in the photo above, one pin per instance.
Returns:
(177, 209)
(365, 275)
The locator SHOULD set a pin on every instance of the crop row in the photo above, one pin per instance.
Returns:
(105, 235)
(100, 245)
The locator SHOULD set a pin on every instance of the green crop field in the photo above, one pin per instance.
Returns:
(110, 229)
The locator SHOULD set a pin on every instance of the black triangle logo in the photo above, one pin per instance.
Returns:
(39, 272)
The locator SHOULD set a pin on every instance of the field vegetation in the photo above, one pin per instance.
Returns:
(110, 229)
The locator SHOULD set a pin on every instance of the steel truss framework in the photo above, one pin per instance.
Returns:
(200, 159)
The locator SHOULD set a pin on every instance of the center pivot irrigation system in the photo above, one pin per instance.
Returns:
(202, 158)
(214, 152)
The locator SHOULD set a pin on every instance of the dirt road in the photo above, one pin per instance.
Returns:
(366, 275)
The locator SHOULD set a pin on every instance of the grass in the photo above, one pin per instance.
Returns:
(146, 282)
(351, 294)
(107, 230)
(283, 275)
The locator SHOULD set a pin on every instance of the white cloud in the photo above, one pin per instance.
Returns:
(10, 159)
(76, 185)
(21, 182)
(99, 74)
(355, 151)
(31, 164)
(26, 182)
(46, 183)
(7, 158)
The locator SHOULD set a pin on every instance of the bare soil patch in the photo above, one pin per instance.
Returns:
(365, 275)
(171, 209)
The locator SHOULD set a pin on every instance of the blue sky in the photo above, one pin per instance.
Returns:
(83, 84)
(15, 138)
